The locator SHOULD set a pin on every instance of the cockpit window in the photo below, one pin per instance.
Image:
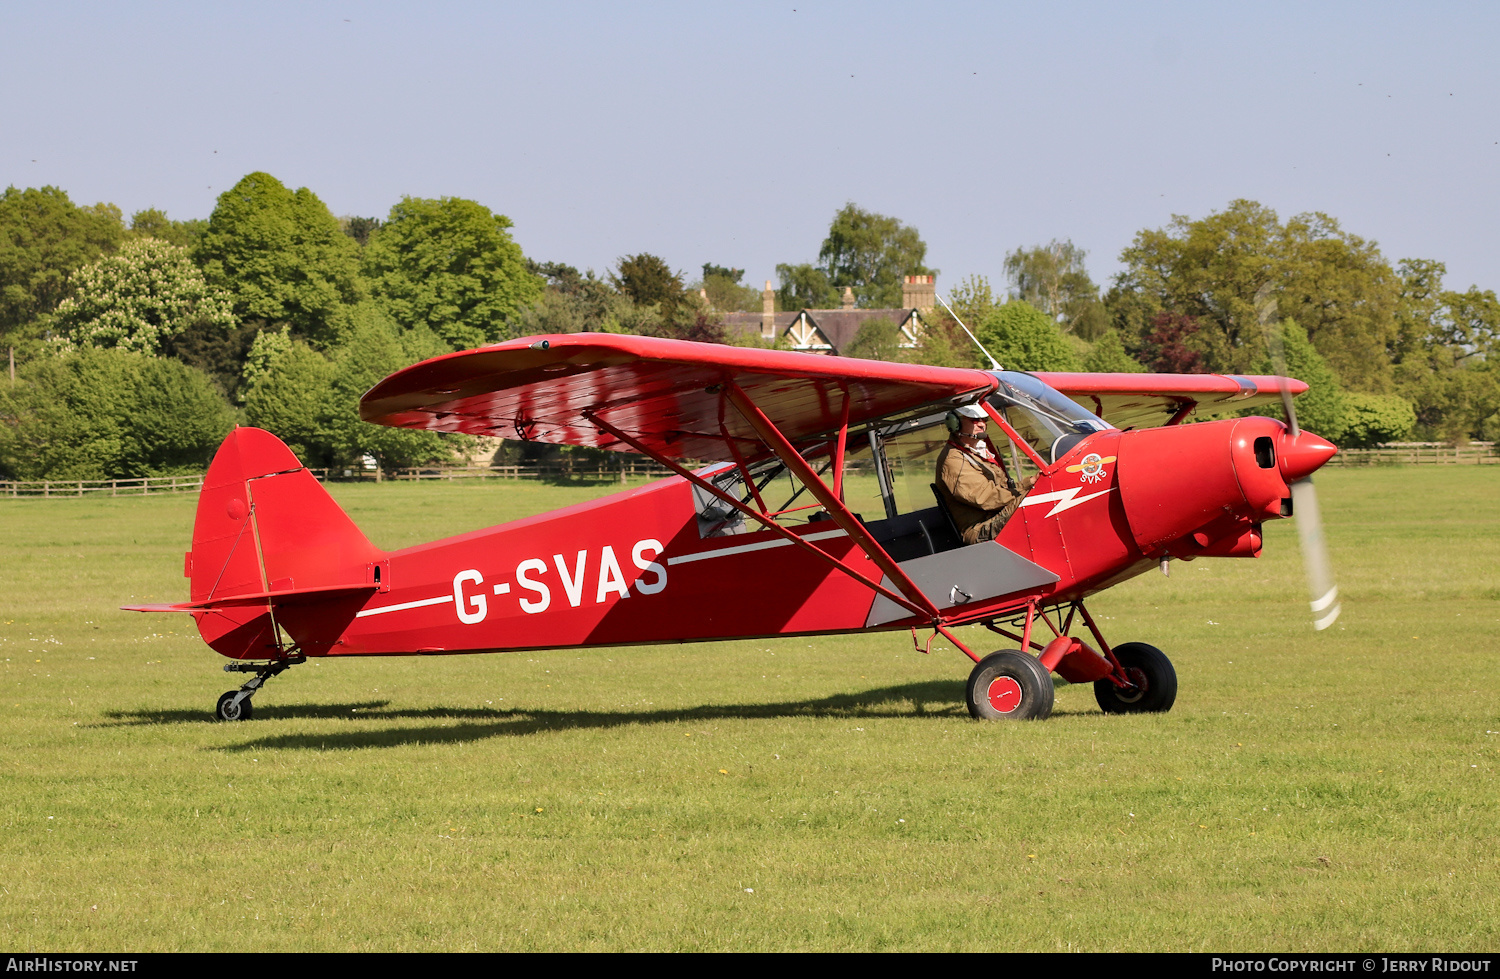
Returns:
(1051, 423)
(889, 464)
(788, 501)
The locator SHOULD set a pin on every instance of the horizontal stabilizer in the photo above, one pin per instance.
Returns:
(280, 599)
(180, 607)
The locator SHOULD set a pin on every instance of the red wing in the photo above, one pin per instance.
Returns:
(668, 393)
(1148, 400)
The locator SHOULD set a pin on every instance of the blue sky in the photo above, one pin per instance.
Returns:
(731, 132)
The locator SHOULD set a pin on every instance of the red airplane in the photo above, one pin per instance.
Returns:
(818, 514)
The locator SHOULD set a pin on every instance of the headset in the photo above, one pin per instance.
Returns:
(953, 420)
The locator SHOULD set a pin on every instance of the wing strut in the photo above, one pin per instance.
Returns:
(929, 611)
(794, 462)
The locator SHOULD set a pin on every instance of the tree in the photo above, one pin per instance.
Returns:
(1344, 293)
(648, 281)
(943, 342)
(1452, 404)
(44, 238)
(805, 287)
(146, 293)
(733, 275)
(1336, 284)
(217, 352)
(1108, 356)
(288, 384)
(1444, 355)
(877, 339)
(938, 346)
(871, 253)
(152, 223)
(1373, 418)
(282, 257)
(723, 290)
(571, 302)
(704, 327)
(109, 414)
(360, 229)
(1209, 270)
(1170, 346)
(376, 348)
(1052, 277)
(1470, 324)
(1322, 408)
(265, 350)
(451, 265)
(1419, 306)
(1023, 338)
(973, 299)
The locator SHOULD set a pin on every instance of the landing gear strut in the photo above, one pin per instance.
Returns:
(1132, 678)
(234, 705)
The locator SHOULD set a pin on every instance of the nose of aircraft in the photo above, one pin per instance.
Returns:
(1301, 456)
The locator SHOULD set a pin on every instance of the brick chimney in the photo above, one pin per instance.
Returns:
(848, 298)
(768, 313)
(919, 292)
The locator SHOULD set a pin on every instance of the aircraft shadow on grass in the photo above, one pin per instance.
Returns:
(933, 698)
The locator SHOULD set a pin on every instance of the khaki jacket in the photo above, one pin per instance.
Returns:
(974, 490)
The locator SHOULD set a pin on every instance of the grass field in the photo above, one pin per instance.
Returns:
(1309, 791)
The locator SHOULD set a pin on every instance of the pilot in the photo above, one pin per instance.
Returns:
(979, 491)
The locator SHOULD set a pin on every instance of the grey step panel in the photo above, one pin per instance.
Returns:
(984, 570)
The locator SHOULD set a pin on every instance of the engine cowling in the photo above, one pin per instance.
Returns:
(1215, 479)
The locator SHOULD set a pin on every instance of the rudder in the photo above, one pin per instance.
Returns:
(265, 524)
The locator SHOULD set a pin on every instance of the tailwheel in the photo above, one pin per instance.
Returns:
(230, 710)
(1153, 682)
(234, 705)
(1010, 685)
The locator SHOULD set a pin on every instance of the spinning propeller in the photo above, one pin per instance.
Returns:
(1309, 519)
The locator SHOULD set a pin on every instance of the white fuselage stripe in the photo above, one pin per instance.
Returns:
(403, 606)
(747, 548)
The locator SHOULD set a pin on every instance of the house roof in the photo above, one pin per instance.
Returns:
(841, 326)
(838, 326)
(750, 322)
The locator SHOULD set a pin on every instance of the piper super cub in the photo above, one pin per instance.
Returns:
(818, 500)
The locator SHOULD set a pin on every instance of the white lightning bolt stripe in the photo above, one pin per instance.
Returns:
(1065, 499)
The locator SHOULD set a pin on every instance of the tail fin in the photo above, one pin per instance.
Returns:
(265, 524)
(265, 531)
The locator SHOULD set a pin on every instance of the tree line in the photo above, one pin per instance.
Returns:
(136, 345)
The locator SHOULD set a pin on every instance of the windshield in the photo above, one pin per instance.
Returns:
(1051, 423)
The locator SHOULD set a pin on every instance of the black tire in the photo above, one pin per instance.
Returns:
(240, 712)
(1150, 670)
(1009, 685)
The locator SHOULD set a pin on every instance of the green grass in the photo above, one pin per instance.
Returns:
(1309, 791)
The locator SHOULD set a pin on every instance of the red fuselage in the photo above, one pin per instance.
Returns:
(632, 568)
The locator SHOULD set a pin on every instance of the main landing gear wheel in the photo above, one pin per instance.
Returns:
(1155, 682)
(228, 710)
(1010, 685)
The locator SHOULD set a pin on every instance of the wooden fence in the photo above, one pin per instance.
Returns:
(1398, 454)
(629, 467)
(1419, 453)
(103, 487)
(151, 485)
